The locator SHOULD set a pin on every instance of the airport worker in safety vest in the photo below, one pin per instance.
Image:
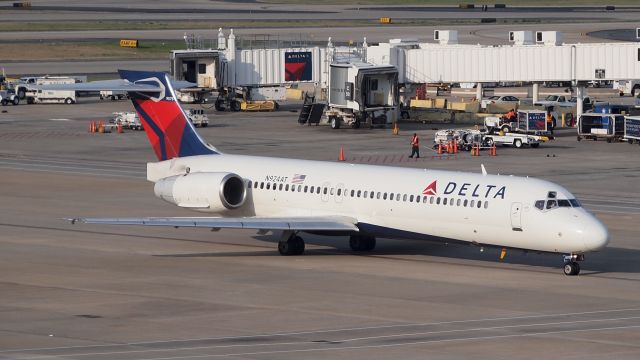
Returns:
(415, 146)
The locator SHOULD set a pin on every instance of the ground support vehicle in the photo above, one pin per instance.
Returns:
(113, 95)
(627, 87)
(8, 97)
(128, 120)
(516, 139)
(40, 96)
(494, 124)
(632, 129)
(198, 118)
(596, 126)
(462, 137)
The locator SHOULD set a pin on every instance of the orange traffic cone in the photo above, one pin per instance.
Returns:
(120, 130)
(493, 151)
(341, 158)
(439, 149)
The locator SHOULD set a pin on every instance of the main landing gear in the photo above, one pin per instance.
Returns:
(362, 242)
(571, 266)
(291, 244)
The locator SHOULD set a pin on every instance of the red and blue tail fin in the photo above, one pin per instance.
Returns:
(169, 130)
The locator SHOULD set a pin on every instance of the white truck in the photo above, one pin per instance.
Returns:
(113, 95)
(128, 120)
(198, 118)
(515, 139)
(40, 96)
(8, 97)
(627, 87)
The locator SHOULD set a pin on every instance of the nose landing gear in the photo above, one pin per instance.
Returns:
(571, 266)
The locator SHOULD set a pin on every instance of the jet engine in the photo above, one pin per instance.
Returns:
(207, 191)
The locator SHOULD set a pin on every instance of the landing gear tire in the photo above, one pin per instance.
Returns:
(362, 243)
(571, 268)
(293, 246)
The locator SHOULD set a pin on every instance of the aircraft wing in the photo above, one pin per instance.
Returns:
(311, 223)
(112, 85)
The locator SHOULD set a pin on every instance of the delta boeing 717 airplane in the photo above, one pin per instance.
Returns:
(362, 202)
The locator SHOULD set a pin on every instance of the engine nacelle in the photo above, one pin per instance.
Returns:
(213, 192)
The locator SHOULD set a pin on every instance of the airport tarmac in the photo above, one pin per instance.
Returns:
(99, 292)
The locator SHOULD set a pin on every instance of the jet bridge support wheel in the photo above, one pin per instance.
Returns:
(362, 243)
(294, 245)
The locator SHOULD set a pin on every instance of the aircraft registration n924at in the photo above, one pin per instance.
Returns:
(359, 201)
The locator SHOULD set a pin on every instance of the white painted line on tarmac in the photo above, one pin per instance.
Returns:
(477, 338)
(70, 167)
(60, 119)
(72, 172)
(303, 342)
(21, 161)
(331, 330)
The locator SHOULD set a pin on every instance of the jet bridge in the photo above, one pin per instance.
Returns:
(534, 59)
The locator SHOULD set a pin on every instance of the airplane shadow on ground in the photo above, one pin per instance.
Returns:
(608, 261)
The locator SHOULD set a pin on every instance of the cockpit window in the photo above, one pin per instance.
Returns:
(556, 203)
(564, 203)
(551, 195)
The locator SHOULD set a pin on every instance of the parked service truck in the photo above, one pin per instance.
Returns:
(627, 87)
(40, 96)
(362, 93)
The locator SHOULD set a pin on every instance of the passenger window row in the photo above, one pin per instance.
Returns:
(365, 194)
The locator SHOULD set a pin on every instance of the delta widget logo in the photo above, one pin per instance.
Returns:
(431, 189)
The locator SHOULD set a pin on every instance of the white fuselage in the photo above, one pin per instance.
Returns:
(404, 202)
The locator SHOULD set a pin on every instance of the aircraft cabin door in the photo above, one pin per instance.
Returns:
(516, 216)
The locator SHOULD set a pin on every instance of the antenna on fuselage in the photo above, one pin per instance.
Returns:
(484, 171)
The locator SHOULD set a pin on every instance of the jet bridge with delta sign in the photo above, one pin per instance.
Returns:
(244, 75)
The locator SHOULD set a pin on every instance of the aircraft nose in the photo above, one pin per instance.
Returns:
(596, 235)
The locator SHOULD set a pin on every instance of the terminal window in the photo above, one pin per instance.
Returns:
(202, 68)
